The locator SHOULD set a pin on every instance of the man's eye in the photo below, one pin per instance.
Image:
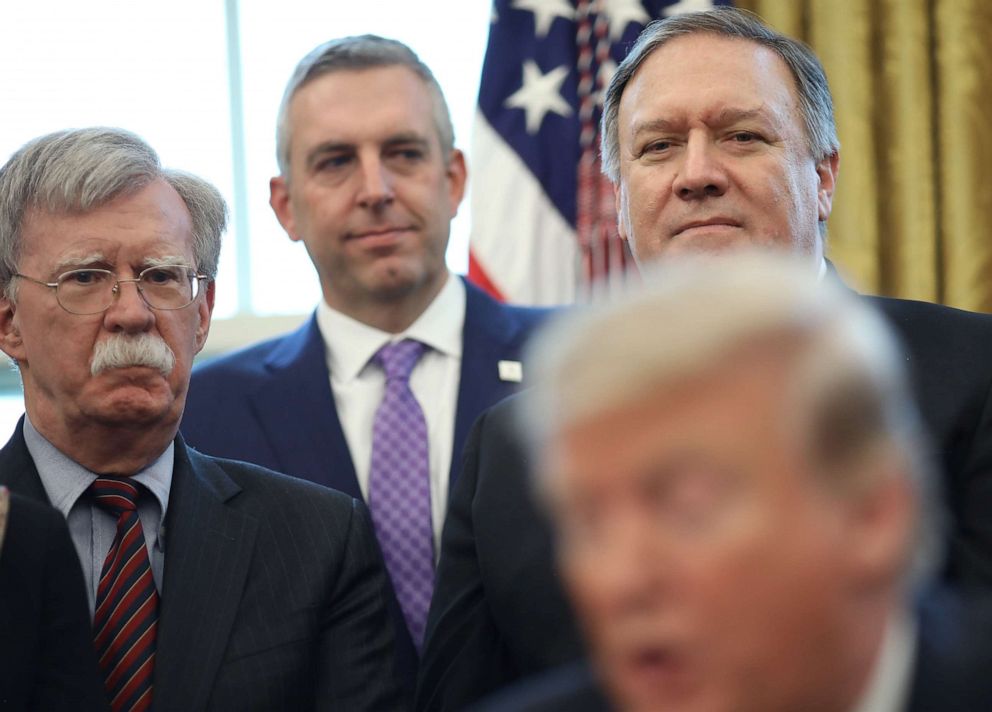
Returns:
(161, 276)
(84, 277)
(331, 163)
(745, 137)
(408, 154)
(658, 147)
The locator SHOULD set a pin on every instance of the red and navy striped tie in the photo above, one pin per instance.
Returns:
(126, 617)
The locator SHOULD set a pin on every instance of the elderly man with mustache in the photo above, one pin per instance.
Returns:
(213, 584)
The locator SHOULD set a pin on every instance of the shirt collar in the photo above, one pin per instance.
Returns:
(351, 344)
(65, 480)
(888, 686)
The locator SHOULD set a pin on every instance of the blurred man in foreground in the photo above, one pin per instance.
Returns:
(743, 507)
(46, 649)
(213, 584)
(718, 134)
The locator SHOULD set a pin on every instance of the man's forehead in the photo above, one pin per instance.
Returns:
(374, 103)
(703, 68)
(699, 409)
(152, 221)
(336, 91)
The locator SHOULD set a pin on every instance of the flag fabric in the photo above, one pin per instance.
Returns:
(544, 223)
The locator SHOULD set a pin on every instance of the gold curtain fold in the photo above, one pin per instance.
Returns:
(912, 86)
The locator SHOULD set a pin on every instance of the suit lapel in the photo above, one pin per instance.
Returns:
(486, 339)
(17, 469)
(208, 553)
(311, 443)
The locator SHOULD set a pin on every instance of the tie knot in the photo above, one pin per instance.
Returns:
(115, 494)
(399, 358)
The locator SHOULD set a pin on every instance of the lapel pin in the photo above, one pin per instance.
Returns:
(511, 371)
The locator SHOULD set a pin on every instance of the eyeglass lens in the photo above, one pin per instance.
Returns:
(88, 291)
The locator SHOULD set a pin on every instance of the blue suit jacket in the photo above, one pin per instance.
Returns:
(253, 615)
(271, 404)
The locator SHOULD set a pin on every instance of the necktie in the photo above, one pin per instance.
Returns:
(399, 487)
(126, 617)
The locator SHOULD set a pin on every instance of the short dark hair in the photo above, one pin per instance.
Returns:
(355, 54)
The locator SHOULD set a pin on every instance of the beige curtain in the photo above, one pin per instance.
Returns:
(912, 86)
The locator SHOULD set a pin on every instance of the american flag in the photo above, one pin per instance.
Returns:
(544, 224)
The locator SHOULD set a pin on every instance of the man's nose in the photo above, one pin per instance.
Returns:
(628, 565)
(128, 312)
(701, 173)
(376, 189)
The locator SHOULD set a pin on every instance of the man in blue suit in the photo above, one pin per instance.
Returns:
(369, 182)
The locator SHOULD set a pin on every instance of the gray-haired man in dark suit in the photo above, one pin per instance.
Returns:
(213, 584)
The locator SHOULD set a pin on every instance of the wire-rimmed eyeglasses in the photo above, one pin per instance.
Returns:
(91, 291)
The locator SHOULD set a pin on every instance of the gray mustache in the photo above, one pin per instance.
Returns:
(122, 351)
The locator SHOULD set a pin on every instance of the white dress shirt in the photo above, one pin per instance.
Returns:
(93, 528)
(891, 676)
(358, 385)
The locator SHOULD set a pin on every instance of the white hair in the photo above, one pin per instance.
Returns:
(845, 386)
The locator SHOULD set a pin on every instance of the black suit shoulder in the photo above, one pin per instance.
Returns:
(264, 487)
(46, 644)
(571, 688)
(949, 359)
(954, 654)
(486, 627)
(315, 594)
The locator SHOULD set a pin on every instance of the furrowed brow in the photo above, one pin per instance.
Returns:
(654, 126)
(733, 116)
(322, 149)
(406, 139)
(165, 260)
(72, 262)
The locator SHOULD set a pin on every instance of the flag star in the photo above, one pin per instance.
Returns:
(621, 13)
(545, 12)
(539, 94)
(684, 6)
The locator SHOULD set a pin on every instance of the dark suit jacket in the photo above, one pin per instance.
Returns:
(487, 627)
(950, 671)
(46, 640)
(274, 595)
(272, 404)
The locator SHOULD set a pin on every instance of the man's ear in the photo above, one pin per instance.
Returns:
(880, 530)
(826, 171)
(279, 200)
(619, 202)
(205, 308)
(457, 178)
(10, 334)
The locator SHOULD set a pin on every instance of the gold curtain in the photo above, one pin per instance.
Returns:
(912, 87)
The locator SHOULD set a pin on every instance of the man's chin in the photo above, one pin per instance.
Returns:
(131, 414)
(131, 396)
(712, 243)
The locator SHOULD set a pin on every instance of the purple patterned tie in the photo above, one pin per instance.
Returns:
(399, 486)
